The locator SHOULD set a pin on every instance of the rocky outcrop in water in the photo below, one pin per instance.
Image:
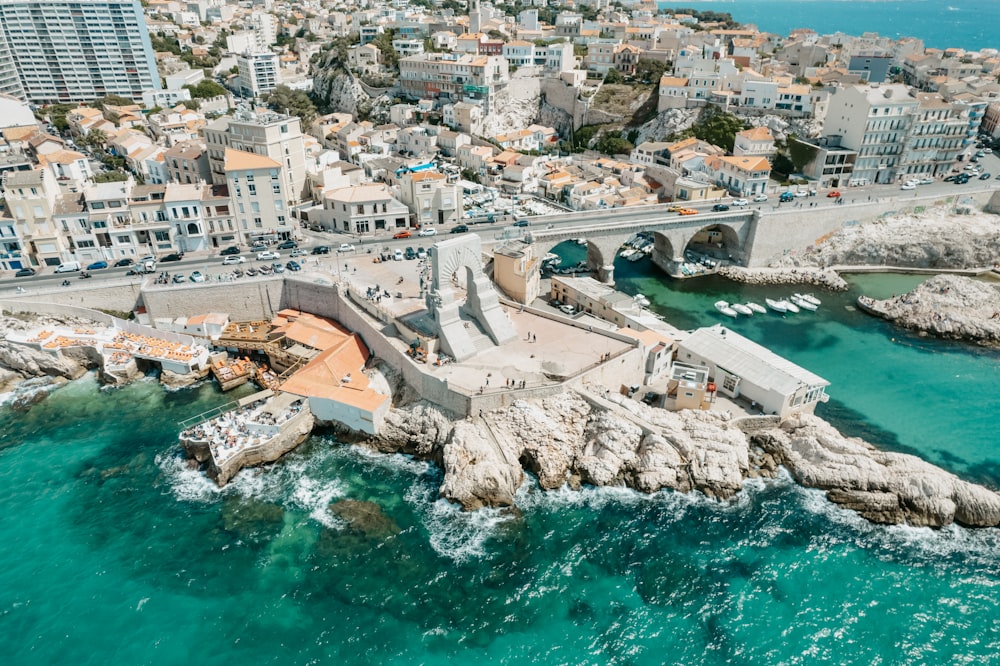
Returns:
(824, 278)
(20, 362)
(945, 306)
(576, 438)
(882, 486)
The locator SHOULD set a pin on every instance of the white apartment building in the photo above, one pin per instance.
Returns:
(27, 232)
(275, 135)
(67, 51)
(431, 199)
(259, 73)
(456, 77)
(364, 209)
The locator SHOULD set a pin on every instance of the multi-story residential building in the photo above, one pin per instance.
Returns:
(67, 51)
(937, 136)
(257, 191)
(874, 120)
(28, 235)
(454, 77)
(259, 73)
(742, 176)
(754, 141)
(188, 163)
(519, 53)
(275, 135)
(431, 198)
(826, 163)
(364, 209)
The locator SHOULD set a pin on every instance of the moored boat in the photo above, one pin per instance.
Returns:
(742, 309)
(626, 253)
(641, 300)
(811, 299)
(756, 307)
(777, 306)
(798, 300)
(789, 306)
(723, 307)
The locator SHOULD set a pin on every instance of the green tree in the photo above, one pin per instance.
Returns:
(294, 102)
(57, 115)
(715, 126)
(205, 89)
(612, 143)
(384, 43)
(470, 175)
(111, 100)
(648, 70)
(111, 177)
(614, 76)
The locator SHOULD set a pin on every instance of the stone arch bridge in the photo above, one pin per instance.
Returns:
(671, 233)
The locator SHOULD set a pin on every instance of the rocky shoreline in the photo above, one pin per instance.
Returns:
(945, 306)
(573, 439)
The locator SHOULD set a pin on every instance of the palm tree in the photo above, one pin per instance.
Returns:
(97, 137)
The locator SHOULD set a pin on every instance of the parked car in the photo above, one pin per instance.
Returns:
(397, 255)
(410, 253)
(427, 231)
(720, 207)
(97, 265)
(298, 252)
(27, 271)
(759, 197)
(174, 256)
(277, 268)
(268, 255)
(787, 196)
(321, 249)
(908, 186)
(197, 276)
(421, 253)
(288, 245)
(127, 261)
(568, 309)
(740, 202)
(345, 247)
(293, 266)
(231, 261)
(985, 176)
(401, 234)
(521, 223)
(926, 181)
(459, 228)
(258, 247)
(230, 250)
(833, 194)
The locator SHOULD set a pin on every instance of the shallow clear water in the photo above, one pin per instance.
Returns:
(115, 552)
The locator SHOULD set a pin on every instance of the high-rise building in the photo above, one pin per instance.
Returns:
(260, 73)
(75, 50)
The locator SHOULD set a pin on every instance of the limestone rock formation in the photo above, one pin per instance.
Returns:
(882, 486)
(946, 306)
(825, 278)
(177, 380)
(20, 362)
(612, 440)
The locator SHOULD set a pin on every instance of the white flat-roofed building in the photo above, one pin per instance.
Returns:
(741, 368)
(67, 51)
(259, 73)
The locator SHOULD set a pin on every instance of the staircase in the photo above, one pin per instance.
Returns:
(477, 336)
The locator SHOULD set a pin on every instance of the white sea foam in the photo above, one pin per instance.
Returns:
(190, 485)
(392, 461)
(315, 496)
(462, 535)
(6, 397)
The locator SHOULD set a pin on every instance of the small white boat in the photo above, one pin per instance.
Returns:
(756, 307)
(742, 309)
(636, 256)
(581, 241)
(641, 300)
(803, 303)
(789, 306)
(809, 298)
(777, 306)
(626, 253)
(723, 307)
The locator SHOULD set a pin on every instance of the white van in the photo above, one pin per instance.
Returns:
(68, 267)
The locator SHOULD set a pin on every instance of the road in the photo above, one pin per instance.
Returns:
(210, 263)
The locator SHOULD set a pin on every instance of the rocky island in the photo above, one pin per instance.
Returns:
(945, 306)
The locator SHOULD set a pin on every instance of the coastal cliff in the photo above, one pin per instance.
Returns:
(19, 363)
(579, 438)
(945, 306)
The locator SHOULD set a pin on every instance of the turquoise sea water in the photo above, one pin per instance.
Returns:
(114, 552)
(968, 24)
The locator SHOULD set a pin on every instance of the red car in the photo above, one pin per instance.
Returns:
(401, 234)
(835, 194)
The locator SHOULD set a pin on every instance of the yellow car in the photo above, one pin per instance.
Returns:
(675, 209)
